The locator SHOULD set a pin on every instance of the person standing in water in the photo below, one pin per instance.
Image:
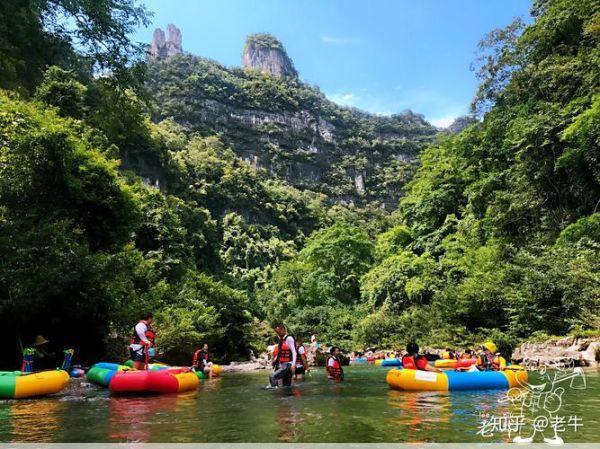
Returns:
(141, 342)
(284, 362)
(333, 366)
(301, 360)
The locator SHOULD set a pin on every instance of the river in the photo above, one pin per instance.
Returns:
(237, 408)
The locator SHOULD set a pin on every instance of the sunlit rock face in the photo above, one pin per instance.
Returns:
(265, 53)
(274, 121)
(163, 47)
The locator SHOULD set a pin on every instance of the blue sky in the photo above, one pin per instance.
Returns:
(382, 56)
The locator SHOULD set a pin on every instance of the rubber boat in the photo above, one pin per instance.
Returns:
(358, 360)
(164, 381)
(157, 366)
(453, 363)
(18, 385)
(151, 366)
(415, 380)
(103, 372)
(215, 370)
(391, 362)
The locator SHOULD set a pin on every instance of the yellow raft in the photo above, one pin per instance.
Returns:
(415, 380)
(18, 385)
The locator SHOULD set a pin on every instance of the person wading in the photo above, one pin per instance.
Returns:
(141, 342)
(302, 361)
(333, 365)
(284, 362)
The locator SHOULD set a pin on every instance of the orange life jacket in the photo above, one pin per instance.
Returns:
(283, 352)
(412, 362)
(335, 371)
(150, 334)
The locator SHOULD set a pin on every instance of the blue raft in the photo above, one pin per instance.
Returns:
(391, 362)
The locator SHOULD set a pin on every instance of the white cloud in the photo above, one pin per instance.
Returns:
(344, 98)
(336, 40)
(438, 110)
(443, 122)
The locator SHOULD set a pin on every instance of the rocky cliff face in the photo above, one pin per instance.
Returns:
(163, 47)
(289, 128)
(265, 53)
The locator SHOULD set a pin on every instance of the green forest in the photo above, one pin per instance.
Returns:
(496, 233)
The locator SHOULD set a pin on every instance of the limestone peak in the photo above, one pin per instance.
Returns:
(265, 53)
(163, 47)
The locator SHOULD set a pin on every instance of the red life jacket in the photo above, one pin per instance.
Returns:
(412, 362)
(335, 371)
(284, 352)
(150, 335)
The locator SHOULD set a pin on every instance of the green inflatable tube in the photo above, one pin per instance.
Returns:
(8, 382)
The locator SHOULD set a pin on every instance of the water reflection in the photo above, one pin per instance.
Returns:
(35, 420)
(289, 421)
(142, 419)
(418, 411)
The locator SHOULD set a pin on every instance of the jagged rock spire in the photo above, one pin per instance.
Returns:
(162, 48)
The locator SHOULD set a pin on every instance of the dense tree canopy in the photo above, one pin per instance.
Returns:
(105, 213)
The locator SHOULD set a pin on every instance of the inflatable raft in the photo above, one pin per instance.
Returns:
(216, 371)
(102, 373)
(407, 379)
(453, 363)
(18, 385)
(151, 366)
(164, 381)
(391, 362)
(358, 360)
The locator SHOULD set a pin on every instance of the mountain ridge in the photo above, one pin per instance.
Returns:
(274, 121)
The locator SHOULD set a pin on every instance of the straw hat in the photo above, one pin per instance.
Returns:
(39, 340)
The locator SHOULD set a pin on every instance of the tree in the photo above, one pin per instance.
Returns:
(35, 34)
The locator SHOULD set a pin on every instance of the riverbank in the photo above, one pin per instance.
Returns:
(573, 351)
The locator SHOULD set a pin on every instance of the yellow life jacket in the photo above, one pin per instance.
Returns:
(499, 363)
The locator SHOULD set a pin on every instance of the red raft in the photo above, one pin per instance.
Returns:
(167, 381)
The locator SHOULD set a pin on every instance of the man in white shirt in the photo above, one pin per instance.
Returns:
(141, 342)
(284, 363)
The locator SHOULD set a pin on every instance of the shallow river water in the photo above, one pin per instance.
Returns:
(237, 408)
